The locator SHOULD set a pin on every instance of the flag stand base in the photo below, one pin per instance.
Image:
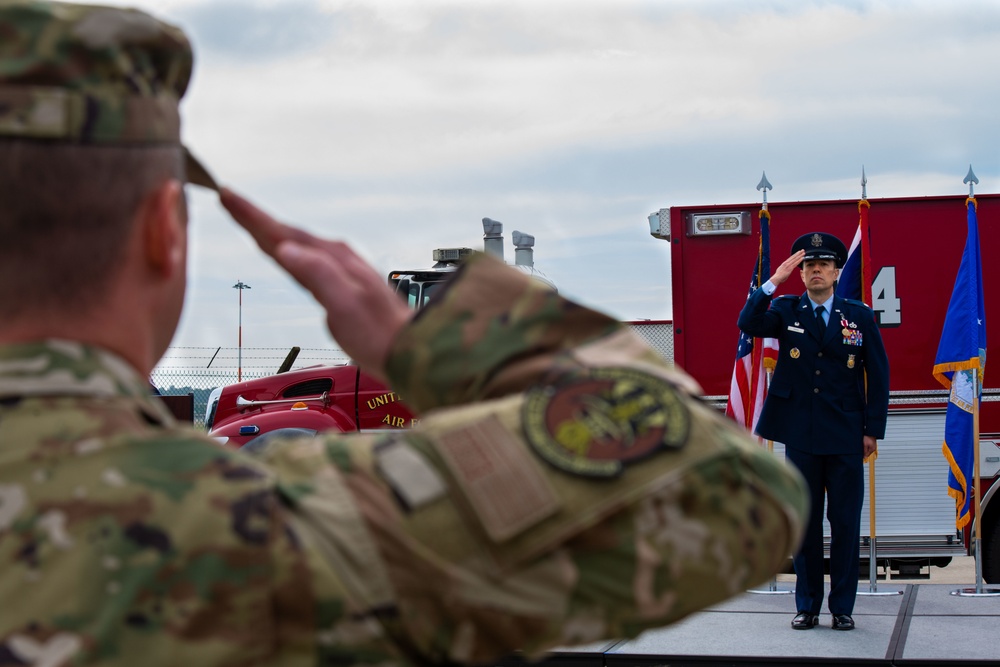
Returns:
(873, 562)
(873, 592)
(772, 589)
(977, 593)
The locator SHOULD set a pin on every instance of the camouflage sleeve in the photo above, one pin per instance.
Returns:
(563, 486)
(456, 543)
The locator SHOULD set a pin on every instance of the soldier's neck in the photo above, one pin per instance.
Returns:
(820, 296)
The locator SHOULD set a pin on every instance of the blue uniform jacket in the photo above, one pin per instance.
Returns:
(817, 401)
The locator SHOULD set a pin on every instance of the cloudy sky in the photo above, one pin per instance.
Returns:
(400, 124)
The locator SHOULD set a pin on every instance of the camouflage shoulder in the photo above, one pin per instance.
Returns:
(192, 455)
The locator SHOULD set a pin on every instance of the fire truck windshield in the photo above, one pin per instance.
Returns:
(418, 287)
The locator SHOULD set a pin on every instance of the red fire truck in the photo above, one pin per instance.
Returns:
(341, 398)
(916, 247)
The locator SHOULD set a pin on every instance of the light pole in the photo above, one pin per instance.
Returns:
(240, 285)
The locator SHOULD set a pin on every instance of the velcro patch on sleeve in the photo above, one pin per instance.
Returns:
(500, 480)
(409, 474)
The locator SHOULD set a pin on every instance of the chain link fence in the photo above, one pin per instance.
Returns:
(199, 370)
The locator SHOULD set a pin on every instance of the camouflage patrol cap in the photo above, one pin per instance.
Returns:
(93, 75)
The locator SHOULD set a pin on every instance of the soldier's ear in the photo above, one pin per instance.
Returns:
(164, 228)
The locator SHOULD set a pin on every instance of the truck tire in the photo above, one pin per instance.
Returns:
(991, 551)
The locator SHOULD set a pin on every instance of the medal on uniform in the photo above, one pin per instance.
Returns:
(850, 361)
(846, 332)
(794, 353)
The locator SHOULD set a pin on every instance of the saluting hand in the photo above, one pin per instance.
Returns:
(786, 268)
(362, 312)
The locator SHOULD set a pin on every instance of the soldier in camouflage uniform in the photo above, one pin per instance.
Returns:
(564, 485)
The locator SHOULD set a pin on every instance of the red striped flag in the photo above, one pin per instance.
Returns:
(856, 277)
(754, 356)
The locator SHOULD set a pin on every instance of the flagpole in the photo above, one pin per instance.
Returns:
(971, 179)
(872, 533)
(772, 586)
(977, 543)
(975, 479)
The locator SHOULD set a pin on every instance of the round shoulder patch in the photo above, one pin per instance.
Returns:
(595, 423)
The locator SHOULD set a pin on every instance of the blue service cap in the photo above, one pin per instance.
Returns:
(819, 245)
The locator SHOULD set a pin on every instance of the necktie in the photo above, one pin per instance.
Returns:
(819, 318)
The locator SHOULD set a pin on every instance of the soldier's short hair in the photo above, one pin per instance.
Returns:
(65, 216)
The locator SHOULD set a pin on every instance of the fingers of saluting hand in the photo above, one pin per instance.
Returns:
(793, 262)
(786, 268)
(331, 270)
(334, 273)
(363, 314)
(266, 231)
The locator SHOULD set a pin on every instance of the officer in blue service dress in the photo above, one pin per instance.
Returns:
(827, 403)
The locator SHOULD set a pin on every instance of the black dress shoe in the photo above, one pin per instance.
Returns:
(806, 621)
(843, 622)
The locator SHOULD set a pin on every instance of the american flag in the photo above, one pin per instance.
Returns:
(753, 355)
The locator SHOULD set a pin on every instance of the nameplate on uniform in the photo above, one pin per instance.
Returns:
(796, 329)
